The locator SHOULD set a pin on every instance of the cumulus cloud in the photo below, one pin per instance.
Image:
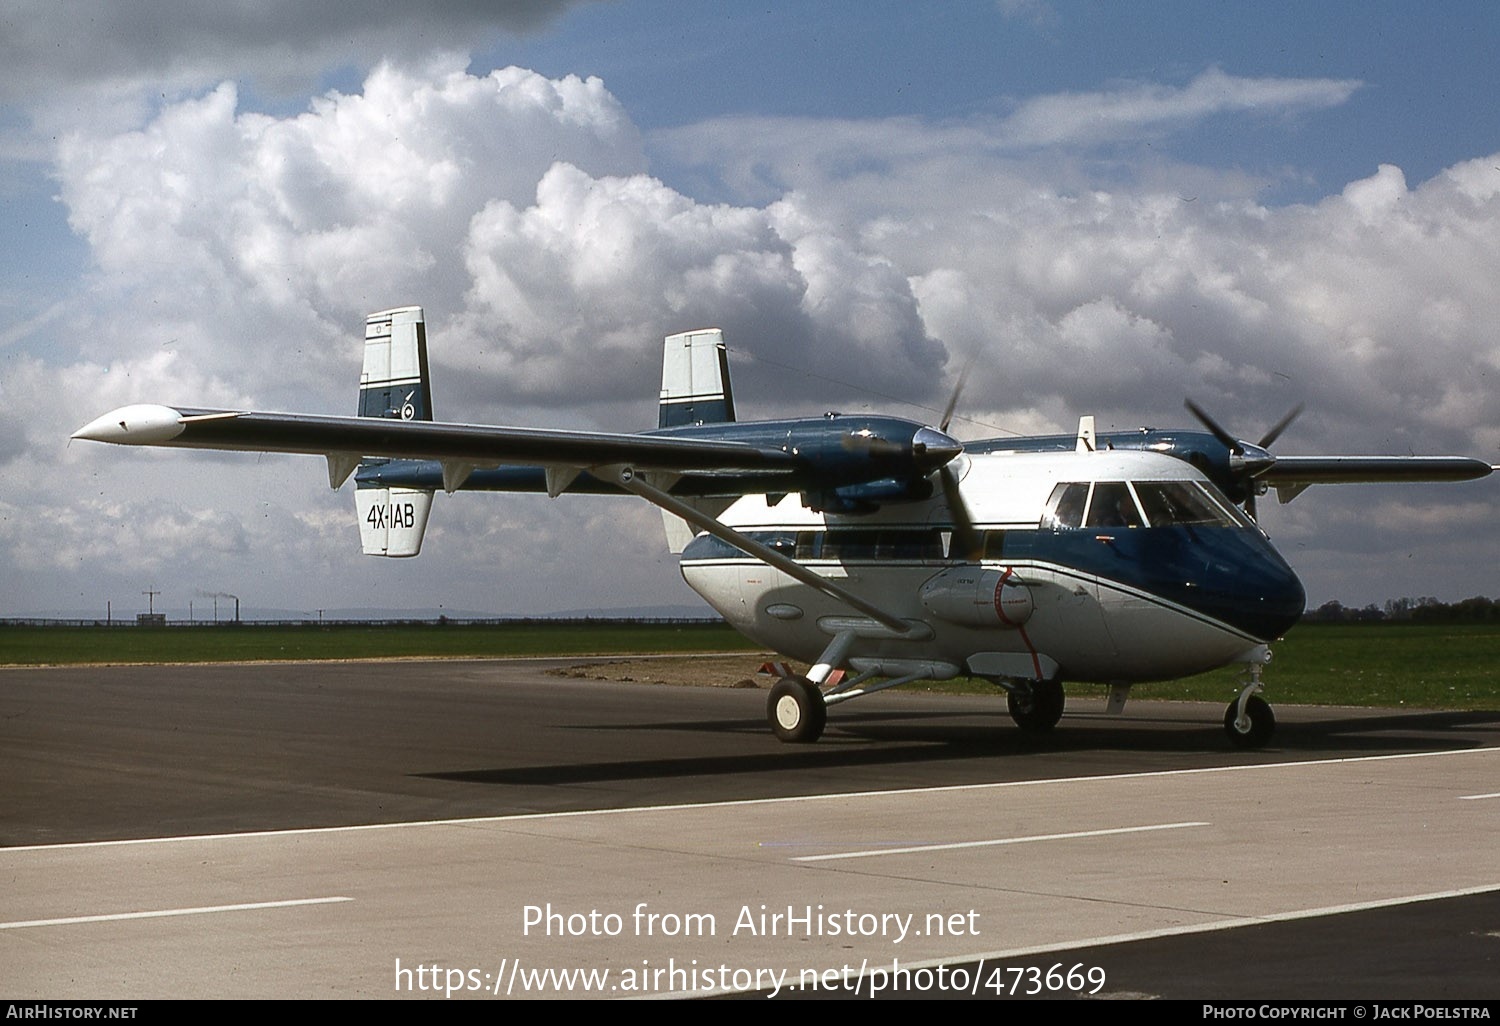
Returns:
(236, 252)
(258, 242)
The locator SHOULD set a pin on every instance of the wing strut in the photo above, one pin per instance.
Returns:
(629, 480)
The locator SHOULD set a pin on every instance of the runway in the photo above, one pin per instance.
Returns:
(415, 829)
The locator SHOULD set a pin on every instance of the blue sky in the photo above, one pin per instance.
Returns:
(1113, 206)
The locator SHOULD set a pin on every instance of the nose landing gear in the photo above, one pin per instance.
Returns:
(1249, 721)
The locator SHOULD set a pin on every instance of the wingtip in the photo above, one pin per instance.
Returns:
(142, 424)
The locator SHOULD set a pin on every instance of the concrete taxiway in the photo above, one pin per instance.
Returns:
(481, 828)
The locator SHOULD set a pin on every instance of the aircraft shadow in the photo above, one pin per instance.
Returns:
(882, 738)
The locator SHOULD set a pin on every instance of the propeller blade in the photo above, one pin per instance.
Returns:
(958, 390)
(1230, 442)
(967, 541)
(1250, 505)
(1282, 425)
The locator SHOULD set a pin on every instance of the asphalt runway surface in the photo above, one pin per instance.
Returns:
(427, 829)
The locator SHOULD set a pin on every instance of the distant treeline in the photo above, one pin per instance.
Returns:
(1409, 610)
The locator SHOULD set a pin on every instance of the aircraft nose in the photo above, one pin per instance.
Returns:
(934, 448)
(1282, 599)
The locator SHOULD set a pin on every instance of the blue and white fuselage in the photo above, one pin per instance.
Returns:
(1114, 566)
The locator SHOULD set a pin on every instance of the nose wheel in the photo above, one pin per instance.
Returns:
(796, 710)
(1249, 721)
(1251, 727)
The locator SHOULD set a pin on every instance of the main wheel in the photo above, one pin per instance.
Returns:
(1038, 707)
(796, 710)
(1257, 726)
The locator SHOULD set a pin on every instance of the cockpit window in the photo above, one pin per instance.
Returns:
(1065, 506)
(1180, 504)
(1112, 506)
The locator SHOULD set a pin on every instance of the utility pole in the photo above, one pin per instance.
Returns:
(151, 600)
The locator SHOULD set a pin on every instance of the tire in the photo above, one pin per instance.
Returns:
(1258, 731)
(796, 711)
(1039, 708)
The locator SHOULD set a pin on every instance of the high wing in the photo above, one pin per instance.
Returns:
(475, 444)
(1306, 470)
(1291, 475)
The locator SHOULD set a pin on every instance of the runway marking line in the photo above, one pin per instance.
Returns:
(1167, 931)
(1476, 797)
(842, 796)
(165, 913)
(871, 852)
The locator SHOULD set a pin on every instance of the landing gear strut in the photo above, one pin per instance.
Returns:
(1038, 706)
(796, 710)
(1249, 721)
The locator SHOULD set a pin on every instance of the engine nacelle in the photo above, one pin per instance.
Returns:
(976, 597)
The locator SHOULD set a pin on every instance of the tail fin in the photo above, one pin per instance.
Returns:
(695, 380)
(394, 384)
(694, 390)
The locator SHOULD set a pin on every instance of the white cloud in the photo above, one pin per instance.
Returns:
(237, 252)
(1134, 111)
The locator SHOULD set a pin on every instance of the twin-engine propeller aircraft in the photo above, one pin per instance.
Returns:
(880, 550)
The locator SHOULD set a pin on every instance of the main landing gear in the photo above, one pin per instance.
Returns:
(798, 706)
(797, 711)
(1249, 721)
(1037, 706)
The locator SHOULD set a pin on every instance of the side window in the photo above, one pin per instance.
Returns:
(1112, 506)
(1065, 506)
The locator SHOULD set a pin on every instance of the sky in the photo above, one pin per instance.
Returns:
(1107, 208)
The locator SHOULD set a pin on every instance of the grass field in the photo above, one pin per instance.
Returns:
(1418, 666)
(249, 643)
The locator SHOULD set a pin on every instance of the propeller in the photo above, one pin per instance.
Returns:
(1246, 460)
(967, 540)
(958, 390)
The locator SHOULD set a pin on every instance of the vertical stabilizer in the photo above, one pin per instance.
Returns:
(694, 390)
(394, 380)
(394, 384)
(695, 380)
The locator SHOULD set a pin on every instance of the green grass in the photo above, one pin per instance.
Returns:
(248, 643)
(1420, 666)
(1426, 666)
(1415, 665)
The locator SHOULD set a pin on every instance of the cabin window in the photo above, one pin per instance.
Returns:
(1112, 506)
(885, 543)
(1065, 506)
(894, 543)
